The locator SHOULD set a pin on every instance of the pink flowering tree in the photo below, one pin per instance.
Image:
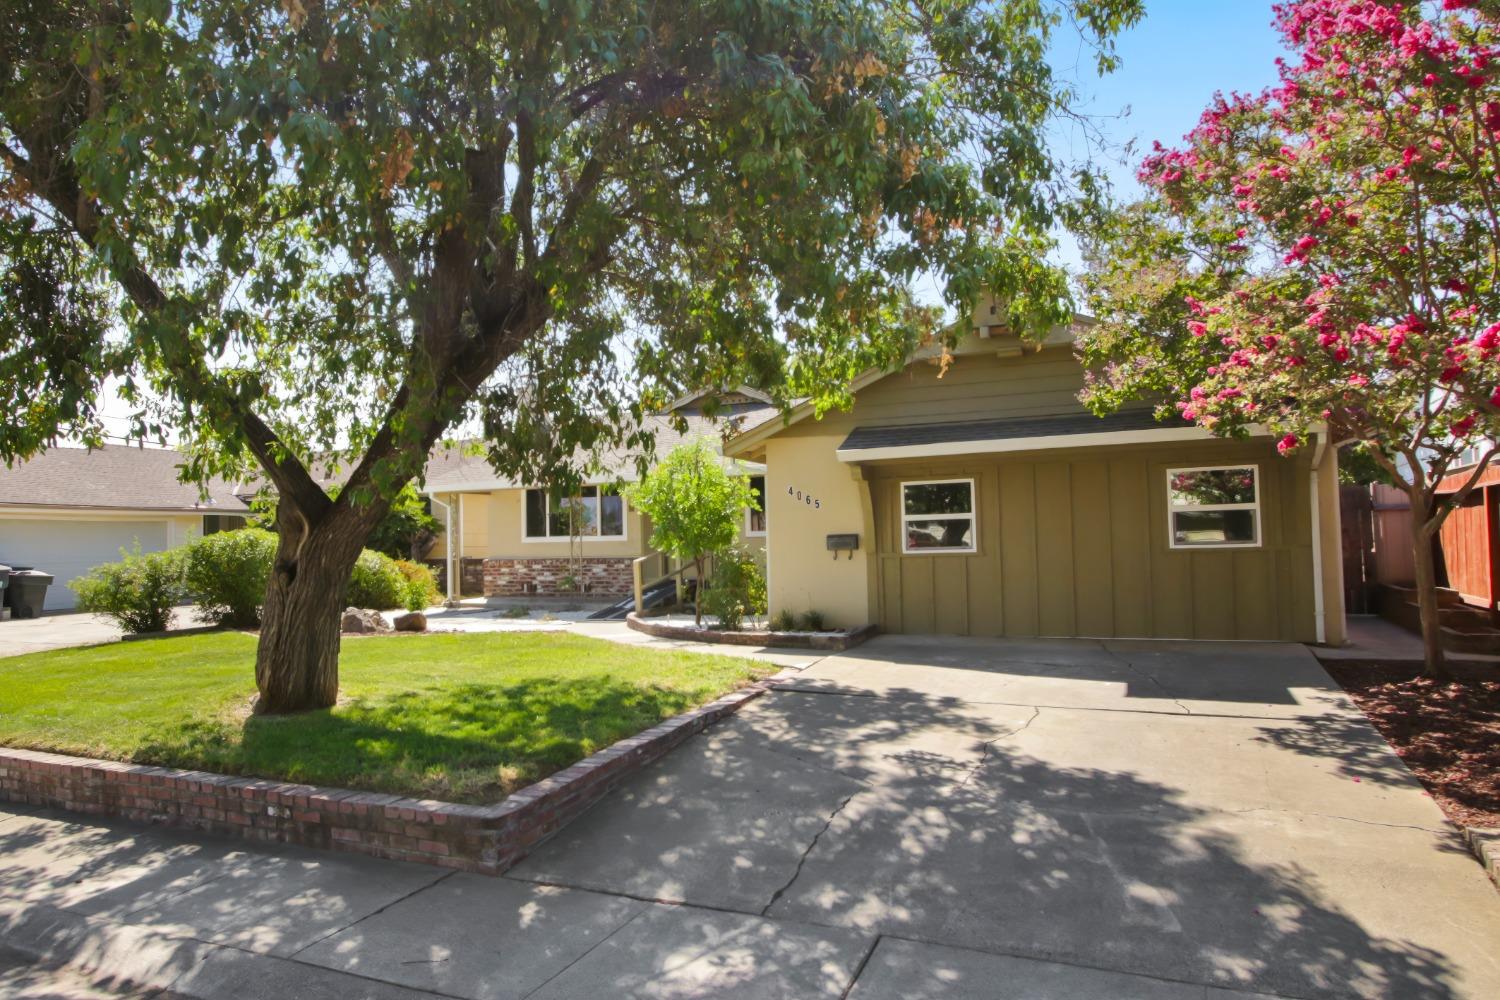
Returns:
(1324, 258)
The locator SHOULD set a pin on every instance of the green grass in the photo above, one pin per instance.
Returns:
(466, 718)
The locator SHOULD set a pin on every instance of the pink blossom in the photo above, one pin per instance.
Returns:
(1287, 444)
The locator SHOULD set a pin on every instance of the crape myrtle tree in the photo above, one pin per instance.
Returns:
(294, 230)
(1324, 258)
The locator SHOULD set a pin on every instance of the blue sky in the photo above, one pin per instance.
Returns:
(1172, 63)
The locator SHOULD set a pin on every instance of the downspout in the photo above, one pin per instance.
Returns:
(1319, 614)
(447, 542)
(458, 559)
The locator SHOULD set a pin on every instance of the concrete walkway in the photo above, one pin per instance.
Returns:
(63, 631)
(918, 818)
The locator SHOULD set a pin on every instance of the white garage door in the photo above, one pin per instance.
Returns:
(69, 549)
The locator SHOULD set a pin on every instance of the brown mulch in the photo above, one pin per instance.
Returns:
(1447, 732)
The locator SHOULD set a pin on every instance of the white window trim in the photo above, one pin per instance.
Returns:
(765, 494)
(1174, 508)
(528, 538)
(972, 516)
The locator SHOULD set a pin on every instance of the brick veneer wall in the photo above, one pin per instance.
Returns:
(487, 839)
(543, 577)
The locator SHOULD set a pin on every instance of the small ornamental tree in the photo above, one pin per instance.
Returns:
(695, 506)
(1324, 258)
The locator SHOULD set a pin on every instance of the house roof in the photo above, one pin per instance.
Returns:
(115, 477)
(454, 469)
(907, 435)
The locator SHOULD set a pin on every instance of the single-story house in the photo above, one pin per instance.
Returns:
(981, 498)
(70, 509)
(506, 538)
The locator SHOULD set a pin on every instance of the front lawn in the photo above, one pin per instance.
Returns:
(467, 718)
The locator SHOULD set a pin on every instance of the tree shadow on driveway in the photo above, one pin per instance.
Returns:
(919, 817)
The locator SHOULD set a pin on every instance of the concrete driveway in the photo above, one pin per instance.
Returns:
(919, 818)
(1062, 819)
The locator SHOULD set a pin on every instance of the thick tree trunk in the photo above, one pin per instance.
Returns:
(297, 661)
(1427, 601)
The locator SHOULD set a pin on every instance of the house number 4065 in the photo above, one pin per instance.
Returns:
(806, 498)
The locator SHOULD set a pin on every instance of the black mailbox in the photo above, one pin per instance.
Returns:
(843, 543)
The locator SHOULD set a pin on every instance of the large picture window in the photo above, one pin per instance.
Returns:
(755, 520)
(1214, 507)
(593, 512)
(938, 516)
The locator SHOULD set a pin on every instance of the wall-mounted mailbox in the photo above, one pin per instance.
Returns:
(843, 543)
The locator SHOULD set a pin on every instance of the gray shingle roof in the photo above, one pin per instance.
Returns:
(451, 468)
(906, 435)
(115, 477)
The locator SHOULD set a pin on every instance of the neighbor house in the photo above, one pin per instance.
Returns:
(505, 538)
(71, 509)
(978, 497)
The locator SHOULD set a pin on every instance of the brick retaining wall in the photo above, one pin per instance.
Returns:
(488, 838)
(604, 576)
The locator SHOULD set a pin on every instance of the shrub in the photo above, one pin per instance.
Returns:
(812, 621)
(737, 589)
(784, 621)
(138, 592)
(227, 574)
(376, 583)
(421, 585)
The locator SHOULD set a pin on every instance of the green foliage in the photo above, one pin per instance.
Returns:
(324, 235)
(138, 592)
(784, 621)
(1357, 467)
(465, 718)
(694, 504)
(377, 583)
(813, 621)
(749, 193)
(421, 585)
(227, 573)
(737, 589)
(405, 528)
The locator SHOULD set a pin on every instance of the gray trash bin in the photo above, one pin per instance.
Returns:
(25, 591)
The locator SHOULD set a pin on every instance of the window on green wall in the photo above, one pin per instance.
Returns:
(1214, 507)
(937, 516)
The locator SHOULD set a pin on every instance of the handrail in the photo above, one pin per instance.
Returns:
(637, 574)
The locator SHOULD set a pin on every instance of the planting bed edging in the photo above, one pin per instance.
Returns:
(830, 641)
(1486, 847)
(488, 839)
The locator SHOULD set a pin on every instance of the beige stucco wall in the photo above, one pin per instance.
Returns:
(801, 574)
(472, 533)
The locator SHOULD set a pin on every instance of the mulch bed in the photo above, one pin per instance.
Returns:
(1447, 732)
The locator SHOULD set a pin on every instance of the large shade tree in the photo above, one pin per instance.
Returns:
(1324, 258)
(292, 229)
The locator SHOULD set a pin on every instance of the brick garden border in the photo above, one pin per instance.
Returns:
(830, 641)
(488, 839)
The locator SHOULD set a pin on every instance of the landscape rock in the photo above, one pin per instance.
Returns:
(412, 621)
(361, 621)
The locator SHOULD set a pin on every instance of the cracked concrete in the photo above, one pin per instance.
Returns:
(811, 846)
(916, 818)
